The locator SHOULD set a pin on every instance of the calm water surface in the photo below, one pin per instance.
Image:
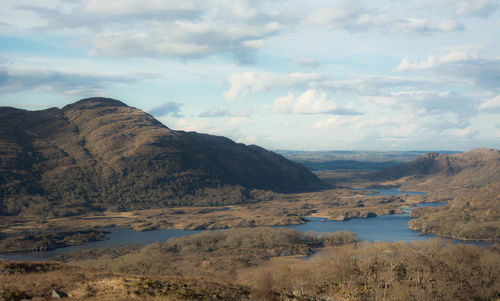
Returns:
(390, 191)
(118, 237)
(381, 228)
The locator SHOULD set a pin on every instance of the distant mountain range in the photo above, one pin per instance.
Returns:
(100, 153)
(353, 160)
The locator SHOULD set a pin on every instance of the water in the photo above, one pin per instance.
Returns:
(390, 191)
(380, 228)
(118, 237)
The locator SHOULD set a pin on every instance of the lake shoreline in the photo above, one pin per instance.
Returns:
(297, 223)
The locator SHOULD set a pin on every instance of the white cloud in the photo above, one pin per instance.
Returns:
(252, 82)
(135, 7)
(203, 126)
(313, 101)
(305, 62)
(428, 102)
(168, 108)
(464, 133)
(423, 26)
(405, 129)
(374, 85)
(333, 121)
(480, 8)
(185, 39)
(433, 61)
(254, 43)
(464, 64)
(215, 112)
(310, 102)
(450, 25)
(236, 122)
(349, 18)
(439, 110)
(21, 79)
(383, 121)
(357, 18)
(195, 29)
(491, 105)
(244, 83)
(162, 28)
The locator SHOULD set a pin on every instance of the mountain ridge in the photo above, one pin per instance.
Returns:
(99, 153)
(480, 164)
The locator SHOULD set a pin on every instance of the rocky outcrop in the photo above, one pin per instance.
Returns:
(353, 214)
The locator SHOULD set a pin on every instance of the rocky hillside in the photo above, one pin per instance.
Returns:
(99, 153)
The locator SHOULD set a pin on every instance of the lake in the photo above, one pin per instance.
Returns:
(380, 228)
(118, 237)
(389, 191)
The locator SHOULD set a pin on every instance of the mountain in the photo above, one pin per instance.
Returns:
(100, 153)
(469, 182)
(469, 170)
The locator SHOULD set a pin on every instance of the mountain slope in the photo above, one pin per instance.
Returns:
(99, 153)
(469, 181)
(473, 215)
(442, 172)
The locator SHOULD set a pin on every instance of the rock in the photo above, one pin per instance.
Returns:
(58, 294)
(342, 217)
(6, 271)
(368, 214)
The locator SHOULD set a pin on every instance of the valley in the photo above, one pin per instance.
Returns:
(239, 216)
(177, 150)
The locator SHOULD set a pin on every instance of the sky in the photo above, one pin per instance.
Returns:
(283, 74)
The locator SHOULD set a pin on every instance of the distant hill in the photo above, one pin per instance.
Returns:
(469, 170)
(469, 181)
(99, 153)
(356, 155)
(472, 215)
(353, 160)
(348, 165)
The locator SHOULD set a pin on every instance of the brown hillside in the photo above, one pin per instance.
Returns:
(441, 172)
(473, 215)
(469, 182)
(99, 153)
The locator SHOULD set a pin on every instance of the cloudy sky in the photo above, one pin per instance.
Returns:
(298, 75)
